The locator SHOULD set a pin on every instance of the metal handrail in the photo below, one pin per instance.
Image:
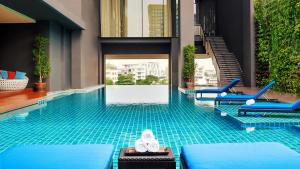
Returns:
(211, 53)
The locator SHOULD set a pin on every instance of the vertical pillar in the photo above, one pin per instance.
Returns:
(186, 32)
(252, 47)
(77, 69)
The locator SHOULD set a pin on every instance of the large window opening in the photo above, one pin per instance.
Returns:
(137, 69)
(136, 18)
(205, 72)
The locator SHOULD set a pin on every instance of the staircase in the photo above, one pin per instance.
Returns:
(229, 66)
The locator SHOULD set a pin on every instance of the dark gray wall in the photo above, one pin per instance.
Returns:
(229, 15)
(16, 47)
(234, 24)
(85, 47)
(60, 57)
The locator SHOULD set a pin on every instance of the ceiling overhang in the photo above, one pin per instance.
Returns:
(9, 16)
(46, 10)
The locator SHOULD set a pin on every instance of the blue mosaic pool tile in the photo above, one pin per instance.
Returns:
(259, 119)
(87, 119)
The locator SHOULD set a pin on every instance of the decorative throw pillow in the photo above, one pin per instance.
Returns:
(20, 75)
(11, 74)
(3, 74)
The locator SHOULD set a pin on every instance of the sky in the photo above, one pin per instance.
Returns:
(162, 62)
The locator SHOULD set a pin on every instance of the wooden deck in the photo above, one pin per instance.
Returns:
(11, 100)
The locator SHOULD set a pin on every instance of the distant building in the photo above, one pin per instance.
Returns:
(112, 72)
(139, 70)
(156, 20)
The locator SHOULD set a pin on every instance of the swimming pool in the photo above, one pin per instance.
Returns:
(118, 115)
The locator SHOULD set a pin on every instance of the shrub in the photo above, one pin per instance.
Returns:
(189, 63)
(40, 57)
(278, 43)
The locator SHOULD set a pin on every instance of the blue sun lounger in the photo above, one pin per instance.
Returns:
(93, 156)
(270, 107)
(231, 97)
(261, 155)
(219, 90)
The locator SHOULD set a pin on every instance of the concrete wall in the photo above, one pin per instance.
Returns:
(186, 32)
(90, 15)
(248, 62)
(235, 23)
(60, 57)
(85, 50)
(73, 6)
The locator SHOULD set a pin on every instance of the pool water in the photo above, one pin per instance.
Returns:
(101, 117)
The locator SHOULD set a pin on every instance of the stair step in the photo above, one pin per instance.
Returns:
(226, 60)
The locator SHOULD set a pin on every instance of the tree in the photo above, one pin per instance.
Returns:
(163, 82)
(125, 80)
(40, 57)
(189, 63)
(109, 82)
(150, 79)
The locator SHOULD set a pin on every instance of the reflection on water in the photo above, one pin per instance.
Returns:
(134, 94)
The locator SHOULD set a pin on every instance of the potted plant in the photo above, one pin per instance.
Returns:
(189, 65)
(41, 60)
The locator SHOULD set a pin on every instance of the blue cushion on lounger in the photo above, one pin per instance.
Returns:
(236, 97)
(209, 91)
(240, 156)
(4, 74)
(95, 156)
(268, 106)
(20, 75)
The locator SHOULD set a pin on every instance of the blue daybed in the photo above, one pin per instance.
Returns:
(97, 156)
(270, 107)
(219, 90)
(239, 156)
(231, 97)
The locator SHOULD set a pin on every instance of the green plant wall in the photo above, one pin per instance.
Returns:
(278, 43)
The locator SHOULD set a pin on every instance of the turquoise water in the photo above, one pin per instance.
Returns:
(118, 115)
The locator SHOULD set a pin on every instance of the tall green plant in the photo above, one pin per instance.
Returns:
(40, 57)
(189, 63)
(278, 43)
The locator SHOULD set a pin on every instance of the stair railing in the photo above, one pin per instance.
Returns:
(211, 53)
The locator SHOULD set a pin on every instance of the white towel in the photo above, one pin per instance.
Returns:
(250, 129)
(140, 146)
(223, 94)
(250, 102)
(147, 136)
(153, 146)
(223, 114)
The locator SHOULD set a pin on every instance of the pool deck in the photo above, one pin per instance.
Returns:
(11, 100)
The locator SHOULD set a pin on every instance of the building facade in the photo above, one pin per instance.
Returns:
(83, 32)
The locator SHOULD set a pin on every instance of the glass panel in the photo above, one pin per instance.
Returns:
(157, 18)
(133, 25)
(110, 18)
(136, 18)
